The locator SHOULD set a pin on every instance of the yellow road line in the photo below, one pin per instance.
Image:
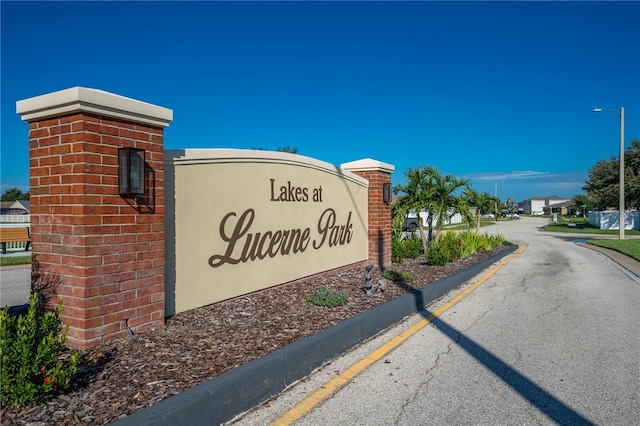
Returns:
(304, 406)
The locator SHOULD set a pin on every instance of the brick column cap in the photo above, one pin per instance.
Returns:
(368, 164)
(82, 99)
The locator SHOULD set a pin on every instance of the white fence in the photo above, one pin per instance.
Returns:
(15, 218)
(424, 215)
(17, 246)
(611, 219)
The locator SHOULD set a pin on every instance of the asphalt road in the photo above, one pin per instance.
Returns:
(15, 285)
(550, 338)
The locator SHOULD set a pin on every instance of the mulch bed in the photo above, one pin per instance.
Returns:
(124, 376)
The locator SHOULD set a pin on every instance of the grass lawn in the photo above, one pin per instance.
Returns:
(580, 226)
(628, 247)
(464, 226)
(18, 260)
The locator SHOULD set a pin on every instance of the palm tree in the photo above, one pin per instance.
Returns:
(429, 189)
(442, 204)
(415, 199)
(464, 208)
(483, 202)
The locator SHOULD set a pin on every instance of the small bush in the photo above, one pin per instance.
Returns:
(471, 243)
(412, 247)
(452, 245)
(438, 254)
(397, 249)
(407, 248)
(492, 241)
(403, 277)
(30, 349)
(327, 298)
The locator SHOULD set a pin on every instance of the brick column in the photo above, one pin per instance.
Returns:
(108, 251)
(380, 221)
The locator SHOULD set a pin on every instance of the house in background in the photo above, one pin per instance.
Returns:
(5, 206)
(563, 209)
(536, 205)
(16, 207)
(20, 207)
(15, 211)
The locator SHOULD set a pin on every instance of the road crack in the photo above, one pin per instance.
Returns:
(422, 388)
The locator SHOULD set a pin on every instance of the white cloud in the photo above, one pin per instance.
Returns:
(498, 176)
(522, 185)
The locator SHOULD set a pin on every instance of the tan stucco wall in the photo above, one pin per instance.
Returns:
(212, 184)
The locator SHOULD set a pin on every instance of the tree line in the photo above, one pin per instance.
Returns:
(14, 194)
(603, 184)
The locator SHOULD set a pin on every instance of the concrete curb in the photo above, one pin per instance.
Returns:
(222, 398)
(627, 262)
(10, 267)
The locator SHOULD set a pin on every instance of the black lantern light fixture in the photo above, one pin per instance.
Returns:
(131, 172)
(386, 192)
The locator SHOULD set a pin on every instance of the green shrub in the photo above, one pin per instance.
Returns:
(397, 249)
(492, 241)
(407, 248)
(452, 244)
(471, 243)
(412, 246)
(438, 254)
(31, 346)
(327, 298)
(403, 277)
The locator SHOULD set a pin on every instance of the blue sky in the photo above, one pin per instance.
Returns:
(500, 93)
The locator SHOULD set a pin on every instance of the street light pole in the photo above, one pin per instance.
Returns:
(622, 206)
(622, 215)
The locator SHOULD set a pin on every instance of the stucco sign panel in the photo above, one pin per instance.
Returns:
(246, 220)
